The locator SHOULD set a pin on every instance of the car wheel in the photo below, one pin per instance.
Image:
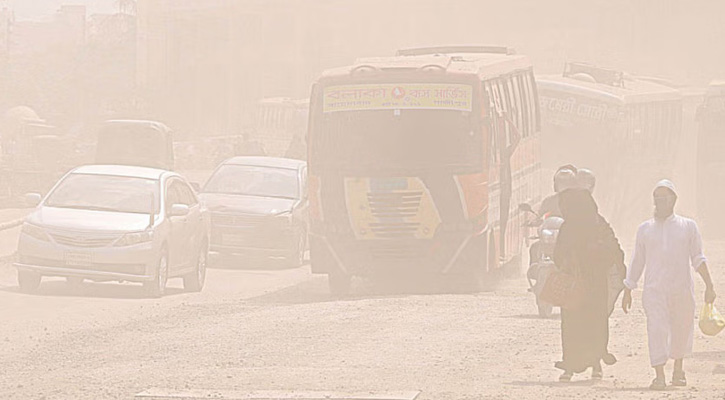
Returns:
(339, 282)
(28, 281)
(194, 281)
(157, 287)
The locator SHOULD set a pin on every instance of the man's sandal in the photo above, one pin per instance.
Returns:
(679, 379)
(658, 384)
(566, 376)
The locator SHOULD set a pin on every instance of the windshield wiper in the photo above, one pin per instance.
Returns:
(256, 195)
(90, 208)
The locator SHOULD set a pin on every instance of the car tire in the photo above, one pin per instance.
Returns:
(157, 287)
(339, 282)
(194, 281)
(28, 281)
(296, 256)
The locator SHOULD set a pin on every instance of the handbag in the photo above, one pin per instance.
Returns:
(563, 290)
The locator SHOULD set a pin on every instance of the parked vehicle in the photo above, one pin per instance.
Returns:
(138, 143)
(258, 207)
(542, 264)
(710, 160)
(116, 223)
(612, 123)
(34, 154)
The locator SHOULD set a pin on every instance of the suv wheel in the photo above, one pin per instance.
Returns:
(296, 255)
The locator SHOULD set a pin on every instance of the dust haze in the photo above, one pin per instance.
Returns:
(327, 199)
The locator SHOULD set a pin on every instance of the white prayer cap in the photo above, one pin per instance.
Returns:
(666, 183)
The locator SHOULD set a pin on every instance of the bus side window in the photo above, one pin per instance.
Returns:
(518, 103)
(494, 111)
(533, 100)
(523, 99)
(499, 88)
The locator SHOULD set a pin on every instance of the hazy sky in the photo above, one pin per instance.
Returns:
(36, 9)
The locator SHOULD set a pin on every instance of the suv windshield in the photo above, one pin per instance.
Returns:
(254, 181)
(106, 193)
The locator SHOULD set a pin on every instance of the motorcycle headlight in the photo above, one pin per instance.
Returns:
(133, 238)
(35, 232)
(548, 237)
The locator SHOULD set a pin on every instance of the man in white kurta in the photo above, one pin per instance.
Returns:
(668, 249)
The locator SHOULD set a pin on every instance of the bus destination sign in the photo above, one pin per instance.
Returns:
(403, 96)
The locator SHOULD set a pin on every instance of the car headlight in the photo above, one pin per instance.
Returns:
(133, 238)
(35, 232)
(285, 216)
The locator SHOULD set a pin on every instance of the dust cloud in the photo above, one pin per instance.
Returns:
(263, 199)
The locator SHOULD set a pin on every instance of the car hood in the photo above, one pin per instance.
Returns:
(87, 220)
(229, 203)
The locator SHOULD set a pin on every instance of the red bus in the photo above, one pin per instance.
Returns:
(418, 163)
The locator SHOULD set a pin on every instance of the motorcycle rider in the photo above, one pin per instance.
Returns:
(585, 179)
(564, 178)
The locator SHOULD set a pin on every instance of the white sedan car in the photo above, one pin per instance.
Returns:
(116, 223)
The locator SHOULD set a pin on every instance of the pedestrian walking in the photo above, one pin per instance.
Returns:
(668, 249)
(586, 248)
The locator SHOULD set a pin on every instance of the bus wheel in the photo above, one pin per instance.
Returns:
(339, 282)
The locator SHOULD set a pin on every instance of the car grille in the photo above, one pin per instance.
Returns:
(392, 210)
(83, 240)
(249, 231)
(240, 220)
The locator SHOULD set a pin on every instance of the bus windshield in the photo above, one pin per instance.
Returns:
(395, 140)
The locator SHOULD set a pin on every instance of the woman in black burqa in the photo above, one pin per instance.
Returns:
(587, 248)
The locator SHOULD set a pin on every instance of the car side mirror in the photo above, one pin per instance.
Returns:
(196, 186)
(526, 207)
(179, 210)
(33, 199)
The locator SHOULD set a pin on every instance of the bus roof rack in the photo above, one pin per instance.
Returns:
(600, 75)
(422, 51)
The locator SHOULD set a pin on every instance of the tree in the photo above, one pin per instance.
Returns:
(126, 6)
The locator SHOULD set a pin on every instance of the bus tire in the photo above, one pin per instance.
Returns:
(339, 282)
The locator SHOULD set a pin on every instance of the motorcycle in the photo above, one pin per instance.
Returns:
(541, 263)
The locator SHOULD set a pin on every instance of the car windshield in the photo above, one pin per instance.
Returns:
(106, 193)
(254, 181)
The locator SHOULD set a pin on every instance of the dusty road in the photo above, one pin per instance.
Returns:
(279, 330)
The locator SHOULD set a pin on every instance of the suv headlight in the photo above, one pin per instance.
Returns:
(133, 238)
(35, 232)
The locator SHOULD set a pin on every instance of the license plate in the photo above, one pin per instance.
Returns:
(79, 259)
(233, 240)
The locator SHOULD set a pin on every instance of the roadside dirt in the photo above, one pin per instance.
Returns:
(280, 330)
